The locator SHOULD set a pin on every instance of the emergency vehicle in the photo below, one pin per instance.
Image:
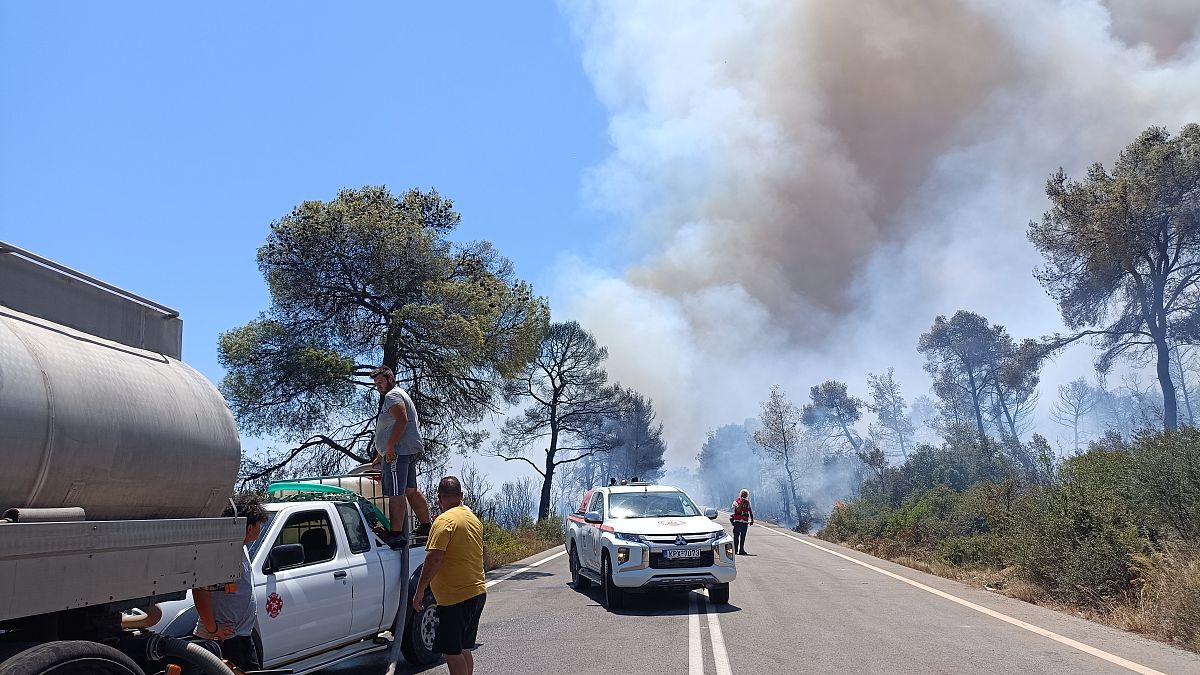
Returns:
(643, 537)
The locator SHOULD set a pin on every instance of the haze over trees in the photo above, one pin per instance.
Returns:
(640, 450)
(894, 426)
(779, 438)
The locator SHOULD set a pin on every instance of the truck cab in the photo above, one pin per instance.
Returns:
(327, 589)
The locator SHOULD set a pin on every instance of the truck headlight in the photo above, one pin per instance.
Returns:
(635, 538)
(622, 555)
(717, 536)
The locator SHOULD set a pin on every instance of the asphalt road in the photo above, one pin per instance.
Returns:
(799, 605)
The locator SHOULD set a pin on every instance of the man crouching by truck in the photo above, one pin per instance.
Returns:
(225, 612)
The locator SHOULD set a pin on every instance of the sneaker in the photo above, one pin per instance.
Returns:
(422, 530)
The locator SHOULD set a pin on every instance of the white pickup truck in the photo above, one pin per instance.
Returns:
(642, 537)
(327, 590)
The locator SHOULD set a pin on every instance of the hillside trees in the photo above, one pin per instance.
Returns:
(1122, 253)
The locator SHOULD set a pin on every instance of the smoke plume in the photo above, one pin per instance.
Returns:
(804, 185)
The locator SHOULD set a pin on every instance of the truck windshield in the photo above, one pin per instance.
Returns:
(650, 505)
(262, 533)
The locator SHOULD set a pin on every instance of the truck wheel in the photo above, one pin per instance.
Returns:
(70, 657)
(417, 642)
(578, 581)
(719, 594)
(614, 596)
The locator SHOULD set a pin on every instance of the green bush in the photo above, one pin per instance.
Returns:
(550, 529)
(1165, 476)
(496, 536)
(1078, 536)
(852, 520)
(980, 549)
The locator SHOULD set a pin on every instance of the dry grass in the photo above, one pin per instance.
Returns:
(931, 565)
(1165, 606)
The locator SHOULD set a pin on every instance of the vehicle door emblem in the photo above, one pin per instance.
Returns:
(681, 540)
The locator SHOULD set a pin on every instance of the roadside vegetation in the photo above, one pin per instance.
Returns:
(1112, 533)
(503, 547)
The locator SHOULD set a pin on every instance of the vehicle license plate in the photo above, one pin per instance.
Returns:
(673, 553)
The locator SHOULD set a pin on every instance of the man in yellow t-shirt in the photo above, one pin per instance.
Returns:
(454, 570)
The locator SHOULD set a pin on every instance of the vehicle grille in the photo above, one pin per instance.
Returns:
(692, 538)
(659, 563)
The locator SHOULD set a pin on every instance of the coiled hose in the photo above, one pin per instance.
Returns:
(160, 646)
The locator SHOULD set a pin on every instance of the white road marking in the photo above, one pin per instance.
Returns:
(720, 656)
(695, 647)
(1074, 644)
(514, 573)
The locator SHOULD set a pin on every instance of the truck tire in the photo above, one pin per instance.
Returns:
(70, 657)
(578, 581)
(614, 596)
(719, 594)
(417, 642)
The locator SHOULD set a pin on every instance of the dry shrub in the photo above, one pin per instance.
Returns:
(1026, 590)
(1168, 602)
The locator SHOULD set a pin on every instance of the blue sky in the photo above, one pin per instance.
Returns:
(152, 144)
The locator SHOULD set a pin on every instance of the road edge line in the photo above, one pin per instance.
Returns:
(695, 645)
(1037, 630)
(506, 577)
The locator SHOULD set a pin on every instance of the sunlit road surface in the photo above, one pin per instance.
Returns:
(799, 605)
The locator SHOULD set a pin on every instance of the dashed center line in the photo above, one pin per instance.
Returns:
(720, 656)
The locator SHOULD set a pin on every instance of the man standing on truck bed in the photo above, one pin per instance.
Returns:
(454, 569)
(225, 612)
(397, 445)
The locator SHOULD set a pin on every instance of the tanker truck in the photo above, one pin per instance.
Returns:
(116, 462)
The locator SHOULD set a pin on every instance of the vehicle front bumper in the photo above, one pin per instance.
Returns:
(636, 574)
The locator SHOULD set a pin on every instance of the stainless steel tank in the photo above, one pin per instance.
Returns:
(122, 432)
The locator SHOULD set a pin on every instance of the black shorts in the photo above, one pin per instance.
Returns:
(458, 625)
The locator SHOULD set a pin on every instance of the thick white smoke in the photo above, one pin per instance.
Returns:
(806, 184)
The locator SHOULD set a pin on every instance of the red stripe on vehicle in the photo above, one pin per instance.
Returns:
(608, 528)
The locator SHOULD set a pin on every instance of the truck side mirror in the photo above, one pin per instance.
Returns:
(592, 517)
(711, 513)
(283, 556)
